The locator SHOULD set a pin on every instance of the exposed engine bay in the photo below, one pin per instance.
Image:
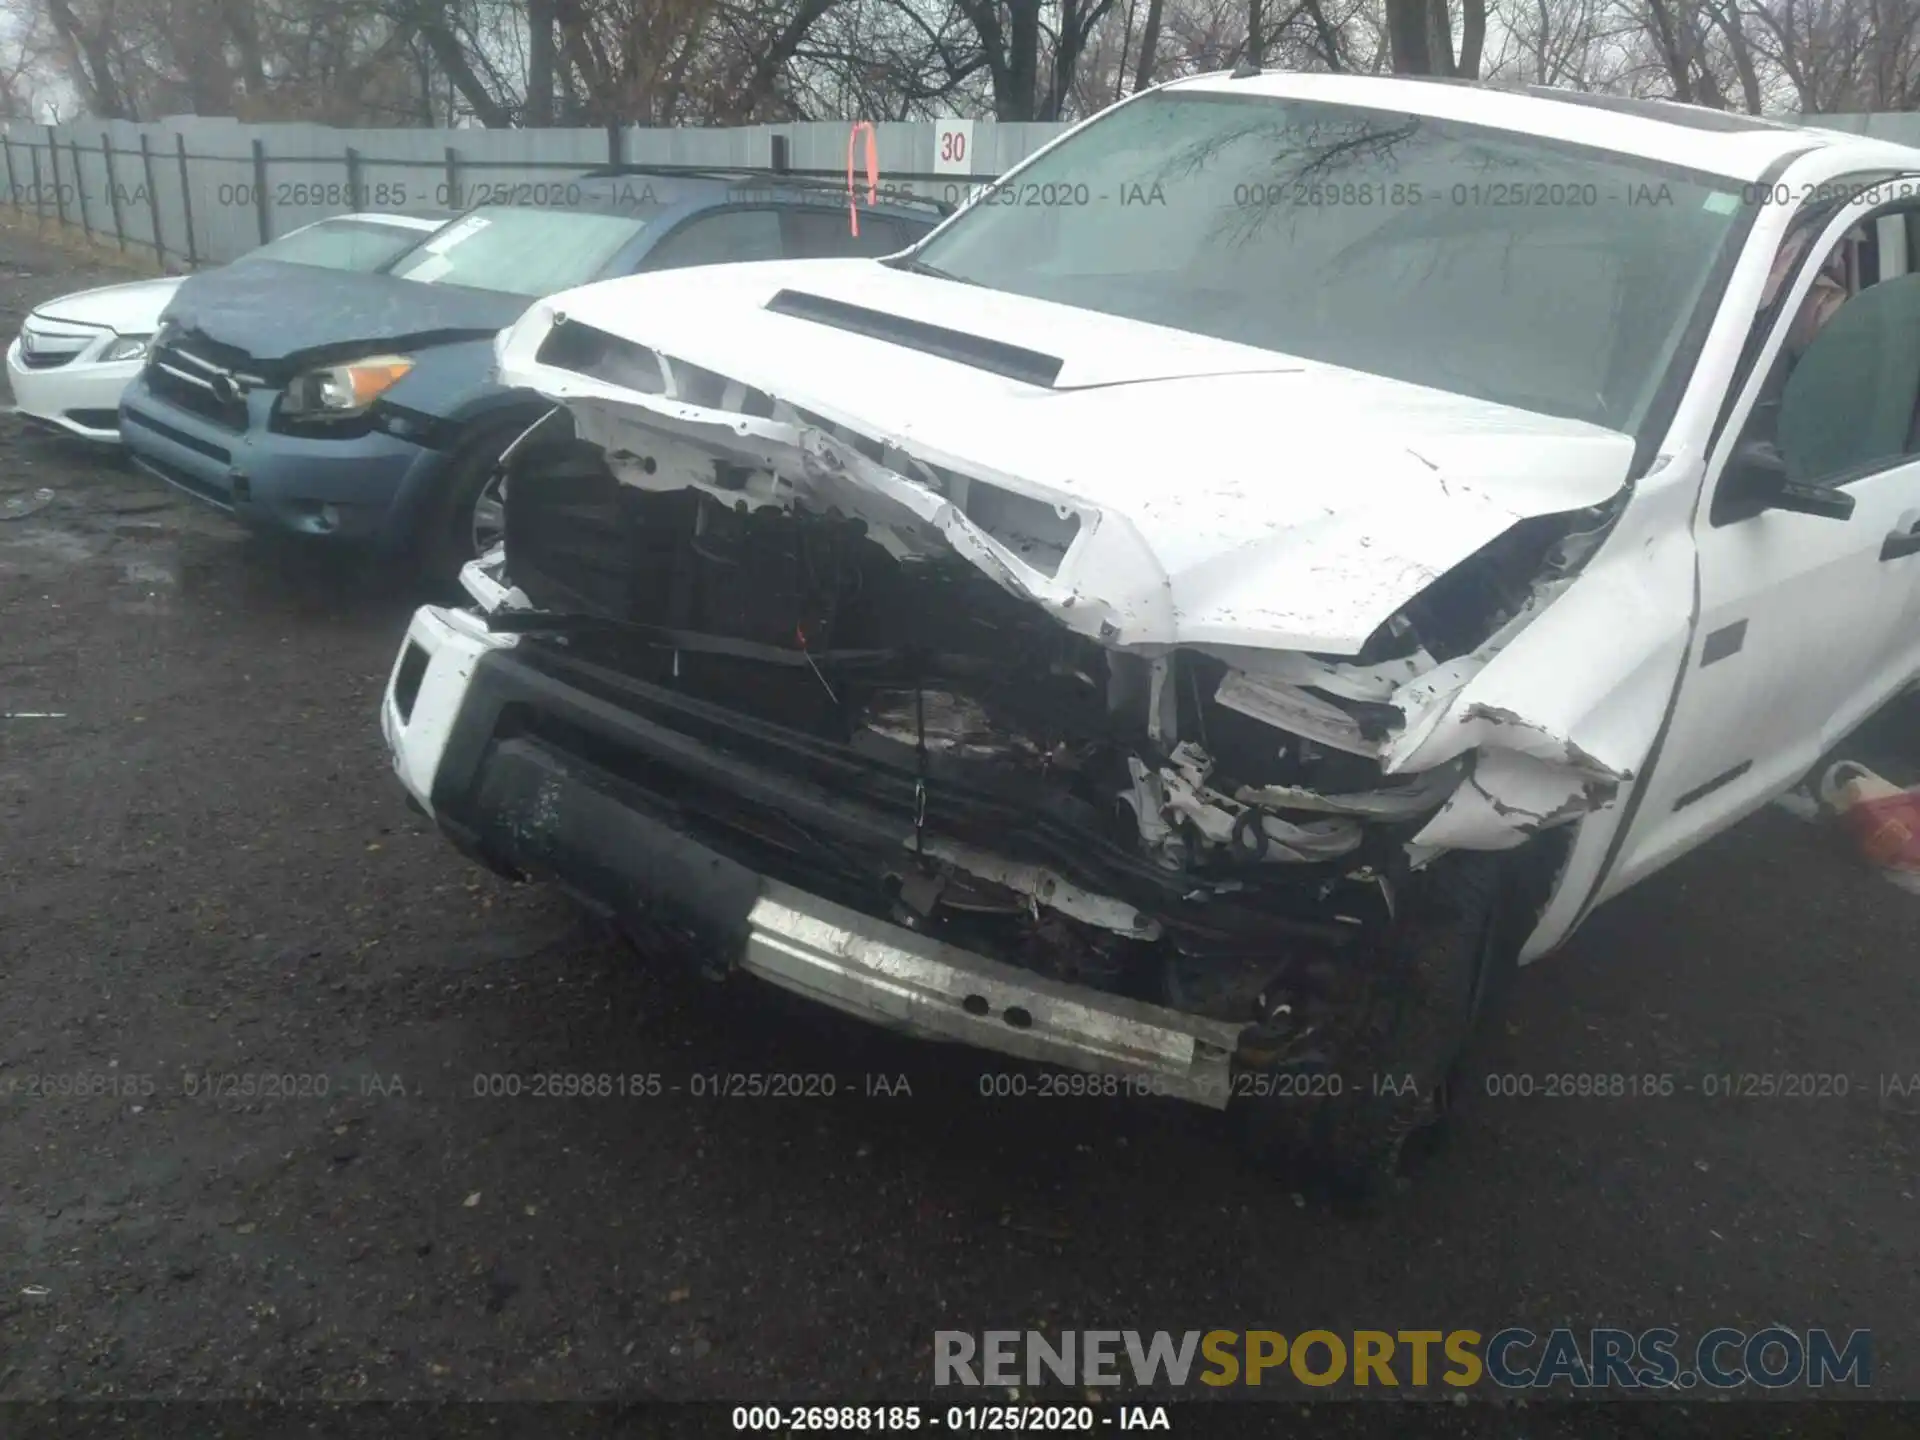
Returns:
(1189, 824)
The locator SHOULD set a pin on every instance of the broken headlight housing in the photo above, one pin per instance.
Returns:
(125, 347)
(337, 392)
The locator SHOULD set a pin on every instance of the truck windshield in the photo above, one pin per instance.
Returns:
(1489, 263)
(520, 250)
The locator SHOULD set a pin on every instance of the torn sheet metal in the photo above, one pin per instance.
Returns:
(1175, 803)
(1506, 798)
(1378, 683)
(1292, 709)
(1417, 795)
(1521, 780)
(1572, 682)
(1064, 499)
(1423, 699)
(482, 580)
(1043, 887)
(1177, 537)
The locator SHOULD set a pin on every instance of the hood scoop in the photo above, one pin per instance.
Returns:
(998, 357)
(1140, 517)
(1030, 367)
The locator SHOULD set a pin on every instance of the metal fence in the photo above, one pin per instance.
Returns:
(1900, 126)
(193, 191)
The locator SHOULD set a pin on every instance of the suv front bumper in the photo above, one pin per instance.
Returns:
(453, 716)
(366, 487)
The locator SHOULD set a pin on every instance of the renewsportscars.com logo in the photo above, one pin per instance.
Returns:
(1511, 1359)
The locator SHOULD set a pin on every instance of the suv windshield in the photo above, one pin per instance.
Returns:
(520, 250)
(341, 244)
(1484, 262)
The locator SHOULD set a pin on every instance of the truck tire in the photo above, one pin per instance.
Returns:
(1362, 1069)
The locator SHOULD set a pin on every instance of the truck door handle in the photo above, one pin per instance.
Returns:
(1903, 539)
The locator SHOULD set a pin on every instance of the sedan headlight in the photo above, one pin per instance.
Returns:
(125, 347)
(337, 391)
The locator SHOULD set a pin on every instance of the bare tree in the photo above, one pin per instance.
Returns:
(693, 62)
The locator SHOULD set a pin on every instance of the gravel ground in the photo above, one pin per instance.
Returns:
(206, 866)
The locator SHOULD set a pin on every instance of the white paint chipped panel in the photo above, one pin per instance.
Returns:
(1225, 496)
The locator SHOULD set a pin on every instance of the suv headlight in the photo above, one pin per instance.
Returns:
(125, 347)
(337, 391)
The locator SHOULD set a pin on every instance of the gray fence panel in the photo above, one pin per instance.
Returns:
(1903, 129)
(129, 191)
(692, 148)
(221, 187)
(86, 168)
(174, 212)
(210, 208)
(527, 167)
(529, 151)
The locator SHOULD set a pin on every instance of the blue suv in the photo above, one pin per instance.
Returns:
(363, 408)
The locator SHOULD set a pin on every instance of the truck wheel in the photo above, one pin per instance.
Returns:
(469, 517)
(1373, 1057)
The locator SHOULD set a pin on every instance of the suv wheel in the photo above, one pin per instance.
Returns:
(470, 516)
(487, 519)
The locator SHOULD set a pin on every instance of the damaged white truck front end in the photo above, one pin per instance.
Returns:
(1299, 589)
(955, 641)
(1286, 735)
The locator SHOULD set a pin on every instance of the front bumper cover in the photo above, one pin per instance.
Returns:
(364, 487)
(69, 397)
(454, 716)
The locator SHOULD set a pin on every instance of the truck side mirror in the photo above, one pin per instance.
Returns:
(1756, 480)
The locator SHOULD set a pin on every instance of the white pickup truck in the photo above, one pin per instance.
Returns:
(1267, 567)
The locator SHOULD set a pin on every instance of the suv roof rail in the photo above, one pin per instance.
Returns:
(681, 172)
(807, 180)
(745, 175)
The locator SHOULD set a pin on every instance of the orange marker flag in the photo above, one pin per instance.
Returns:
(873, 171)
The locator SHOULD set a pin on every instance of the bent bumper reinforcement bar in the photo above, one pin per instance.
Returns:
(893, 977)
(518, 803)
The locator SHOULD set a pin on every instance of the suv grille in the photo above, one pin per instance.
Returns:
(204, 387)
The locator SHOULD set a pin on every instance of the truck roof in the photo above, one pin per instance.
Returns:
(1695, 137)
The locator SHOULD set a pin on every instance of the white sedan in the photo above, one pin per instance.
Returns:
(74, 355)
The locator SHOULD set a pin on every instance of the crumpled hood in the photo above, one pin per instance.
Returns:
(130, 309)
(276, 311)
(1226, 495)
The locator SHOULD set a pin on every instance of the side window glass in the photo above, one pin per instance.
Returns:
(1844, 391)
(819, 234)
(718, 239)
